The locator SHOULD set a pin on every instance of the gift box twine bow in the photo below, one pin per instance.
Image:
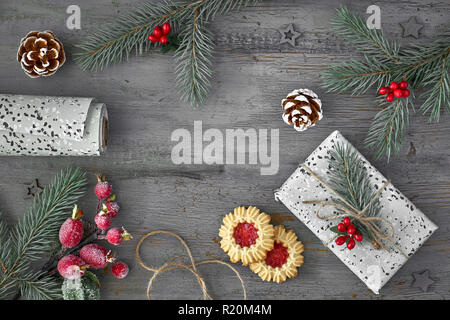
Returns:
(359, 215)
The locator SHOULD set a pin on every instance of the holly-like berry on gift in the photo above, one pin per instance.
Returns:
(348, 234)
(347, 221)
(119, 270)
(358, 236)
(341, 227)
(351, 229)
(351, 244)
(102, 189)
(96, 256)
(341, 240)
(72, 267)
(116, 235)
(71, 231)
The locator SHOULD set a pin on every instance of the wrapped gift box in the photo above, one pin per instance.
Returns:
(373, 266)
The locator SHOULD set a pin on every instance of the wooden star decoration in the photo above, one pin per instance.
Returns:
(422, 280)
(33, 189)
(288, 35)
(411, 28)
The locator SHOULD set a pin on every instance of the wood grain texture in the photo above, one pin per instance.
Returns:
(253, 72)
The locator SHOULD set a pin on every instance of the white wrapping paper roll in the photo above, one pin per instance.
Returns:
(52, 126)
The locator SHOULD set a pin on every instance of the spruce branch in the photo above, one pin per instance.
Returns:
(388, 127)
(36, 234)
(353, 30)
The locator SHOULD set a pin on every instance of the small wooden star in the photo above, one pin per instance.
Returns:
(411, 28)
(422, 280)
(33, 189)
(288, 35)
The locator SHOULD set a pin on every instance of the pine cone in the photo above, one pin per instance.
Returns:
(40, 54)
(302, 109)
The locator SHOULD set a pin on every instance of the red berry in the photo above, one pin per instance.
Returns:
(166, 29)
(351, 229)
(398, 93)
(393, 85)
(341, 227)
(102, 189)
(157, 32)
(72, 267)
(103, 220)
(153, 38)
(351, 244)
(112, 208)
(119, 270)
(390, 97)
(406, 93)
(71, 231)
(341, 240)
(116, 235)
(358, 236)
(403, 84)
(96, 256)
(383, 90)
(347, 221)
(164, 40)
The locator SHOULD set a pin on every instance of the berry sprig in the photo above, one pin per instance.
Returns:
(160, 34)
(92, 255)
(348, 233)
(395, 90)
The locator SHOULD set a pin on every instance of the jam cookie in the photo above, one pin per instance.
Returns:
(247, 235)
(282, 261)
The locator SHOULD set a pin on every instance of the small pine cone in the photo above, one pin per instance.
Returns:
(302, 109)
(40, 54)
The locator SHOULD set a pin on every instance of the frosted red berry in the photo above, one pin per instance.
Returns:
(102, 189)
(341, 240)
(71, 231)
(383, 90)
(72, 267)
(398, 93)
(120, 270)
(115, 236)
(403, 84)
(351, 244)
(153, 38)
(166, 29)
(103, 220)
(112, 208)
(393, 85)
(390, 97)
(405, 93)
(96, 256)
(358, 236)
(351, 229)
(347, 221)
(157, 32)
(164, 40)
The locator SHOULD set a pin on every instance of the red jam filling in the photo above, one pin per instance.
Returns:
(277, 256)
(245, 234)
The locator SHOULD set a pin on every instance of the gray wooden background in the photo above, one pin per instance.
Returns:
(252, 73)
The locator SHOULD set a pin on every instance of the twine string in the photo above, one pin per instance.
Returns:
(176, 265)
(350, 210)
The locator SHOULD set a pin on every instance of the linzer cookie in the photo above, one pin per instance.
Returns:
(247, 235)
(283, 260)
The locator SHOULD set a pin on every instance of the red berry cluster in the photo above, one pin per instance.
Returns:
(92, 255)
(160, 34)
(397, 90)
(346, 226)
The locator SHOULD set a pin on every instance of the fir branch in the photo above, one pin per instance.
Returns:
(349, 178)
(39, 286)
(388, 127)
(37, 232)
(353, 30)
(193, 64)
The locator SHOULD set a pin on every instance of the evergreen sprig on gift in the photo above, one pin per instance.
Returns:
(423, 66)
(35, 236)
(128, 34)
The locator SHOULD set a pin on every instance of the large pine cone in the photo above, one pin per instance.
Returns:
(302, 109)
(40, 54)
